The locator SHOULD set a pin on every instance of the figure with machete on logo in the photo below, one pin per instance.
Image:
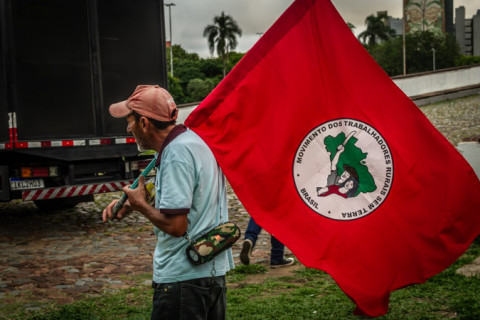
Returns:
(344, 185)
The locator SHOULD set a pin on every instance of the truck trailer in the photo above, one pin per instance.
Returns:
(62, 63)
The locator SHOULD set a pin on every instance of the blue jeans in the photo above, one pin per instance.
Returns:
(203, 298)
(252, 232)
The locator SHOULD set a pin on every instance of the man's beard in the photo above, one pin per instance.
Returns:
(140, 145)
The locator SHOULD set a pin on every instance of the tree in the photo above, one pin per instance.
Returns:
(198, 89)
(419, 51)
(389, 55)
(419, 45)
(377, 30)
(222, 36)
(175, 88)
(189, 66)
(211, 67)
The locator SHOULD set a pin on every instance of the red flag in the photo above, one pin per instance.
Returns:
(328, 155)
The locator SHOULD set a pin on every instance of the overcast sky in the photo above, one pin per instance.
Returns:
(190, 17)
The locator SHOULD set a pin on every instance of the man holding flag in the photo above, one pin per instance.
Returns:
(402, 226)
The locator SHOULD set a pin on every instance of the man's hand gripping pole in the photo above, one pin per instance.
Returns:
(124, 197)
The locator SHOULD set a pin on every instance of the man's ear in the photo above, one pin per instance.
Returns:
(144, 123)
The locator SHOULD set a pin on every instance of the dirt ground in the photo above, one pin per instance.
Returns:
(67, 255)
(271, 273)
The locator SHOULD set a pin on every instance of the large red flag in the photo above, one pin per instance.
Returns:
(328, 155)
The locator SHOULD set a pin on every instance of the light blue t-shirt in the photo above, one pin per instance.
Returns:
(190, 181)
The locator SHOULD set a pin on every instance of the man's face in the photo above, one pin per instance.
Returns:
(349, 184)
(133, 128)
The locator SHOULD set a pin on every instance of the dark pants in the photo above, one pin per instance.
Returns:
(252, 232)
(204, 298)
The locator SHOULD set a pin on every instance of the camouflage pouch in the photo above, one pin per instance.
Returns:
(217, 240)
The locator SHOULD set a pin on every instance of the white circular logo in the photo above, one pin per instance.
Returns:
(343, 169)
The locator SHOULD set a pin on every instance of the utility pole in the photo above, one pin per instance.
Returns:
(169, 5)
(433, 52)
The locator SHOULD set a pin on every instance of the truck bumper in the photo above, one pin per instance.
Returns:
(74, 191)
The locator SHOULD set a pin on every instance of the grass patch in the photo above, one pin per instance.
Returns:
(133, 303)
(307, 294)
(241, 271)
(141, 278)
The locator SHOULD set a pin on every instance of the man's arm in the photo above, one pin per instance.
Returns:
(340, 149)
(172, 224)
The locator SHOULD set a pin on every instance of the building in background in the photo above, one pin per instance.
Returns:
(449, 26)
(476, 34)
(396, 24)
(424, 15)
(421, 15)
(467, 32)
(437, 16)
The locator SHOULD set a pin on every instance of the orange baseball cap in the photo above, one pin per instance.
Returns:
(150, 101)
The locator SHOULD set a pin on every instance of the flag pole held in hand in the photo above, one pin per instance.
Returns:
(124, 197)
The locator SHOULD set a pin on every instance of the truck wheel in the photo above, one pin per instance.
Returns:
(62, 203)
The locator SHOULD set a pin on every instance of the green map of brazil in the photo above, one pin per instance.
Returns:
(353, 157)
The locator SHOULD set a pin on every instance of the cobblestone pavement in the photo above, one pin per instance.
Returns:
(66, 255)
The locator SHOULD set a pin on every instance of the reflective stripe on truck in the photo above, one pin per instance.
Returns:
(74, 191)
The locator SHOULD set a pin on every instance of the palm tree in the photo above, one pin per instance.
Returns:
(377, 30)
(222, 35)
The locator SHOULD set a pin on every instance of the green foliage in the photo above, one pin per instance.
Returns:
(222, 37)
(420, 55)
(377, 31)
(175, 88)
(198, 89)
(187, 67)
(211, 67)
(186, 70)
(181, 54)
(389, 54)
(234, 58)
(467, 60)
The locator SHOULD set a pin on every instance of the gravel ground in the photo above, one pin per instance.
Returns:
(456, 119)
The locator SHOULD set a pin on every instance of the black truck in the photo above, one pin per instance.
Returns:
(62, 63)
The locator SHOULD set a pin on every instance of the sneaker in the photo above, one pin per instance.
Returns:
(284, 263)
(246, 252)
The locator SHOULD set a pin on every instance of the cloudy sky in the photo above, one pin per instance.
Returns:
(190, 17)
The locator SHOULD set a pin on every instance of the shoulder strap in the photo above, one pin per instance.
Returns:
(176, 131)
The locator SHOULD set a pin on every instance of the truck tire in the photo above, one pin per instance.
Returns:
(62, 203)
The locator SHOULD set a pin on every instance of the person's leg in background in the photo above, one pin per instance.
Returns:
(251, 236)
(277, 257)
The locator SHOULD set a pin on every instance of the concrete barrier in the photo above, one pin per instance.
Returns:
(184, 111)
(471, 152)
(429, 87)
(423, 88)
